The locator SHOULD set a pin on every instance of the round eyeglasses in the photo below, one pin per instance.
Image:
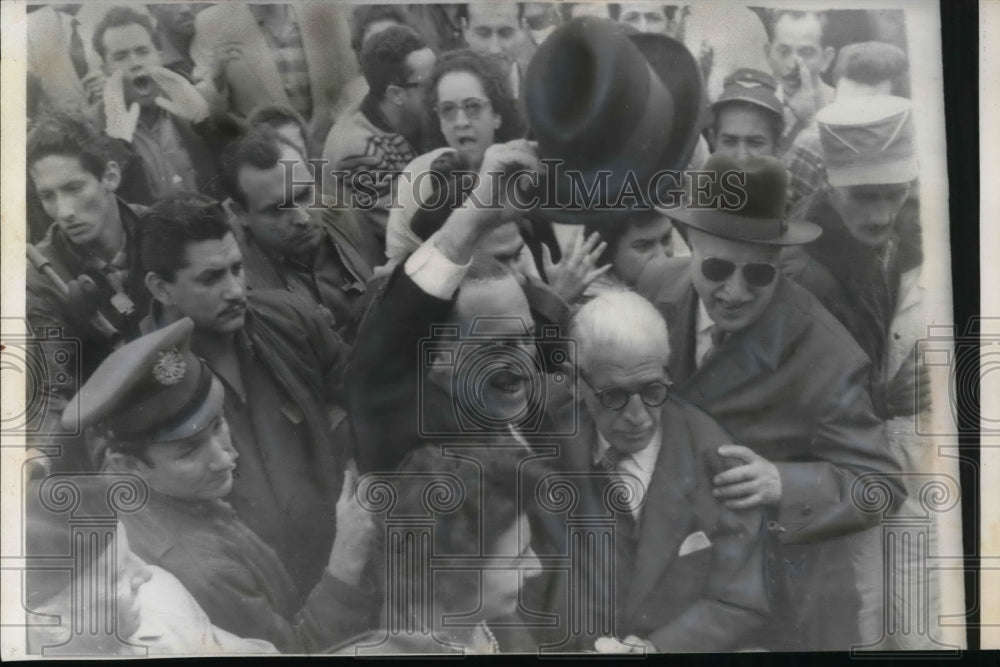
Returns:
(652, 394)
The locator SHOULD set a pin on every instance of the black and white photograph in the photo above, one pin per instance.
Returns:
(541, 328)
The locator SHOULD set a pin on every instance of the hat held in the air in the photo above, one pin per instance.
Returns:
(756, 217)
(153, 389)
(868, 141)
(607, 103)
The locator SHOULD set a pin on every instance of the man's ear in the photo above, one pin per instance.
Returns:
(828, 54)
(112, 176)
(157, 286)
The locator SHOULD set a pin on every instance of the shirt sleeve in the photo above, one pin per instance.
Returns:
(434, 273)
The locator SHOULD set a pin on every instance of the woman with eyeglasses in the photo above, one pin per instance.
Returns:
(470, 108)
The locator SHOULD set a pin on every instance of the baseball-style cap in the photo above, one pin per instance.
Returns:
(153, 389)
(751, 86)
(868, 141)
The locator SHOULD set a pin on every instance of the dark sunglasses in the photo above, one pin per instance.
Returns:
(652, 394)
(757, 274)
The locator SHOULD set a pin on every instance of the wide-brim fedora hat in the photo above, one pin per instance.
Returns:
(606, 104)
(743, 201)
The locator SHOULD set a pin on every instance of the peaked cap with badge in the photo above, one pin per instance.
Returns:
(153, 389)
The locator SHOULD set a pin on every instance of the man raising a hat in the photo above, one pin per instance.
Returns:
(783, 376)
(157, 410)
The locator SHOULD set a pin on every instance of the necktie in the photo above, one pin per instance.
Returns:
(609, 462)
(718, 336)
(76, 53)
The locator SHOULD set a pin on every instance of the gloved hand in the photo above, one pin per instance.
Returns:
(120, 123)
(182, 100)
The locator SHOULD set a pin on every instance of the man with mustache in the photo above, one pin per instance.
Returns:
(280, 363)
(158, 114)
(764, 358)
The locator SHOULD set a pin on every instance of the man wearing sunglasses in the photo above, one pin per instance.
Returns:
(784, 377)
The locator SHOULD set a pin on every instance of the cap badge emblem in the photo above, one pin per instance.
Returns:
(169, 368)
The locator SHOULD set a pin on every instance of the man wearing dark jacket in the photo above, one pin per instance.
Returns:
(869, 241)
(763, 357)
(84, 277)
(157, 409)
(323, 254)
(279, 360)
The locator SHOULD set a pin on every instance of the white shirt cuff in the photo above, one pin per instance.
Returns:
(434, 273)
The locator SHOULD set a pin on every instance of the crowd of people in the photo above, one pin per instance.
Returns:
(377, 405)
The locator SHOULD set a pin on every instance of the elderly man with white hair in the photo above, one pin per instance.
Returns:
(689, 573)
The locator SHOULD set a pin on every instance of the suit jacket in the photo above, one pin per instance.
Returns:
(707, 599)
(254, 80)
(793, 386)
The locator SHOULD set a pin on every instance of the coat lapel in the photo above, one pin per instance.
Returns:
(666, 515)
(757, 349)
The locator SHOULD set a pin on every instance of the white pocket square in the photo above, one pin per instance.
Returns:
(694, 542)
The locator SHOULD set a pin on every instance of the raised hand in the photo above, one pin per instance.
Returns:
(182, 100)
(571, 277)
(222, 55)
(355, 533)
(120, 122)
(808, 99)
(754, 483)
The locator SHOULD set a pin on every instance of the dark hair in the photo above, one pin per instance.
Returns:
(495, 85)
(796, 15)
(260, 148)
(174, 223)
(118, 17)
(870, 63)
(276, 115)
(383, 57)
(470, 503)
(613, 234)
(775, 122)
(69, 135)
(365, 15)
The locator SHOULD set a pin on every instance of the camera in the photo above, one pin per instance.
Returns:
(496, 378)
(48, 364)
